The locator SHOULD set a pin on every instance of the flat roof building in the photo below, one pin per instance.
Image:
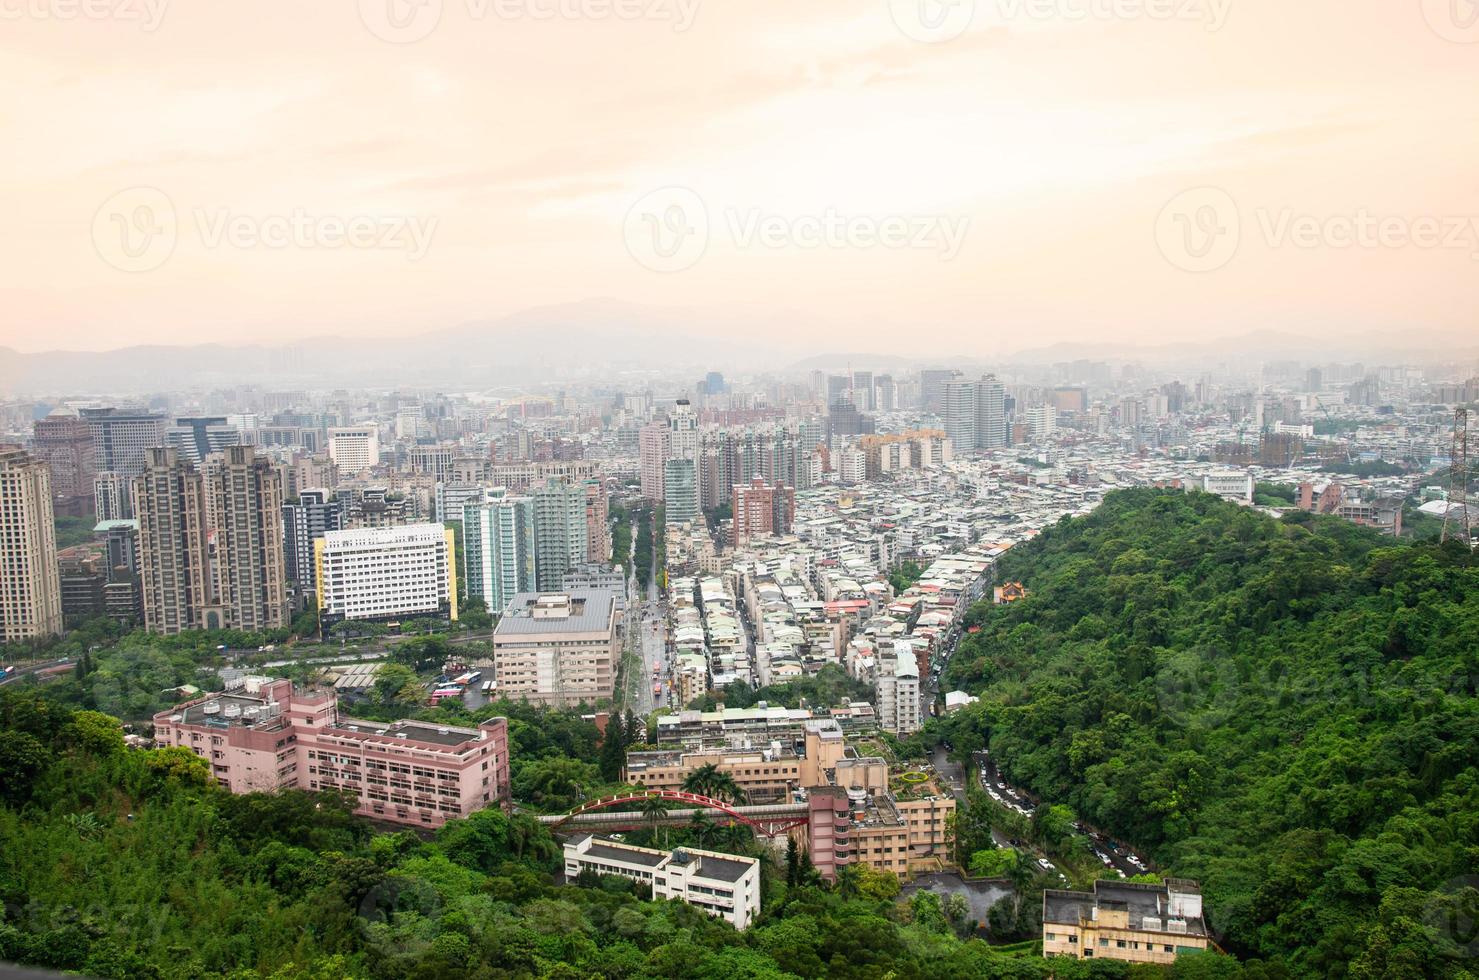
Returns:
(725, 886)
(262, 736)
(386, 573)
(1125, 920)
(558, 648)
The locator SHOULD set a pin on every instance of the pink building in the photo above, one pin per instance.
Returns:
(263, 737)
(655, 448)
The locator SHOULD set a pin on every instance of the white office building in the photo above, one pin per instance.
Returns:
(723, 885)
(355, 448)
(1237, 487)
(386, 573)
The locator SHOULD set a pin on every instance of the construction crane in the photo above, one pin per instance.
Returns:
(1458, 481)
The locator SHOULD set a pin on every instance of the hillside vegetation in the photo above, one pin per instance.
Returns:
(1283, 710)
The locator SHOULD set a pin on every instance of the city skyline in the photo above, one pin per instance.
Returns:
(1067, 170)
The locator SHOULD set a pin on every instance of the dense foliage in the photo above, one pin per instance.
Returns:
(130, 864)
(1284, 710)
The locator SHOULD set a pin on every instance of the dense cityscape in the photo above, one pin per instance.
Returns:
(749, 490)
(755, 607)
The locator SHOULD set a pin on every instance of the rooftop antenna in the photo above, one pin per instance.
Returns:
(1458, 480)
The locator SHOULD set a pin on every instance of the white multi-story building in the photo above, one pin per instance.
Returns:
(1042, 421)
(899, 707)
(355, 448)
(1237, 487)
(852, 465)
(386, 573)
(723, 885)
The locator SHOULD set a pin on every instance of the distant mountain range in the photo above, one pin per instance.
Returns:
(599, 340)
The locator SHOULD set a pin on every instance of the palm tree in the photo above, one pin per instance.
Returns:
(654, 809)
(709, 780)
(702, 828)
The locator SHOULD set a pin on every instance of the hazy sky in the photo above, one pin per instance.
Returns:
(961, 176)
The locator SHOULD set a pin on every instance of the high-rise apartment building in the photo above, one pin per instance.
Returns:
(846, 419)
(245, 513)
(654, 446)
(958, 402)
(760, 511)
(174, 551)
(597, 531)
(560, 533)
(932, 383)
(315, 513)
(386, 573)
(450, 498)
(991, 414)
(975, 414)
(30, 584)
(680, 492)
(64, 442)
(498, 542)
(355, 448)
(886, 393)
(684, 440)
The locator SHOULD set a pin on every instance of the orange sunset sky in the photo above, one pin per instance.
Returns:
(517, 138)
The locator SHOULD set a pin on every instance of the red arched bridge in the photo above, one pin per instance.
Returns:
(767, 820)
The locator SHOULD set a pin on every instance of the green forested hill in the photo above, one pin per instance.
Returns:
(1284, 710)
